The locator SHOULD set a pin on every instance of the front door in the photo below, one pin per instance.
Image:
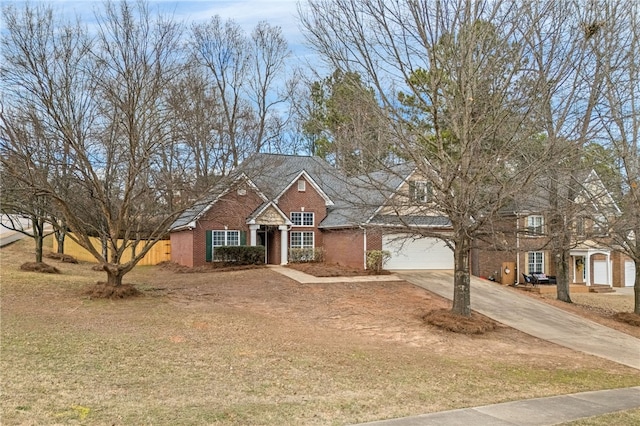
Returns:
(580, 277)
(263, 241)
(269, 237)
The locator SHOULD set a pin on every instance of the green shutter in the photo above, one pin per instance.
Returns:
(243, 238)
(208, 245)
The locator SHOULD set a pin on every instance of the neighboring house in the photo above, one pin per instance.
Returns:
(292, 203)
(526, 237)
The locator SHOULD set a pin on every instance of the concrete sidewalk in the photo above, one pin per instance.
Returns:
(531, 412)
(304, 278)
(535, 318)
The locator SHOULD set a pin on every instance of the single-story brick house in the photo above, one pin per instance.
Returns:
(288, 202)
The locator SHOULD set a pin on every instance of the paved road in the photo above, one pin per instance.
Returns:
(535, 318)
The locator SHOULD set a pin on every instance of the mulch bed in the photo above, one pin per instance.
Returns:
(39, 267)
(319, 269)
(447, 320)
(102, 290)
(212, 267)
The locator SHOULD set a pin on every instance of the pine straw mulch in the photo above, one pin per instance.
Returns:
(447, 320)
(102, 290)
(211, 267)
(320, 269)
(39, 267)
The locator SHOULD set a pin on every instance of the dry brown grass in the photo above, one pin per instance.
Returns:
(64, 258)
(253, 347)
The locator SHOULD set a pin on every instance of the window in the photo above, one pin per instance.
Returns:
(302, 185)
(222, 238)
(225, 238)
(536, 262)
(599, 225)
(420, 191)
(535, 225)
(302, 218)
(301, 239)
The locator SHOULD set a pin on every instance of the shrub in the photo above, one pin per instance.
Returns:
(376, 259)
(300, 255)
(239, 255)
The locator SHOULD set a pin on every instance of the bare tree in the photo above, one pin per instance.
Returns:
(101, 102)
(25, 211)
(563, 42)
(197, 129)
(243, 73)
(620, 114)
(453, 78)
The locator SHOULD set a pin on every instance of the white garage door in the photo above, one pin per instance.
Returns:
(420, 253)
(600, 272)
(629, 273)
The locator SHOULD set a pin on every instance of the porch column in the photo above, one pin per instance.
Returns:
(253, 237)
(284, 244)
(587, 269)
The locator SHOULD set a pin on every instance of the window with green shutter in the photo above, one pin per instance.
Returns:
(221, 238)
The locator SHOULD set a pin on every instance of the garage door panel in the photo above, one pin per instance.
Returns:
(416, 253)
(629, 273)
(600, 272)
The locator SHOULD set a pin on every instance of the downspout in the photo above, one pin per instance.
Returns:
(518, 248)
(364, 248)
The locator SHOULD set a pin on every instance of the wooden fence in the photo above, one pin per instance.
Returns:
(160, 252)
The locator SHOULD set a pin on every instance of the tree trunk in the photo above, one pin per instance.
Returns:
(38, 239)
(60, 235)
(37, 227)
(561, 259)
(114, 275)
(462, 280)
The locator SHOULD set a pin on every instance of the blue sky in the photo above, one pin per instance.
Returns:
(247, 13)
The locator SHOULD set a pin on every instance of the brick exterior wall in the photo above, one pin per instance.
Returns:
(182, 247)
(619, 260)
(229, 212)
(345, 247)
(309, 201)
(374, 239)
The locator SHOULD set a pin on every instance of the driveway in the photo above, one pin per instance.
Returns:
(535, 318)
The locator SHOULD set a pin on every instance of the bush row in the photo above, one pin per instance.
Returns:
(239, 255)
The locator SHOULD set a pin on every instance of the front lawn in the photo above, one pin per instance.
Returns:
(253, 347)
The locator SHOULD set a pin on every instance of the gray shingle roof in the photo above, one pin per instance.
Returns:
(351, 200)
(420, 221)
